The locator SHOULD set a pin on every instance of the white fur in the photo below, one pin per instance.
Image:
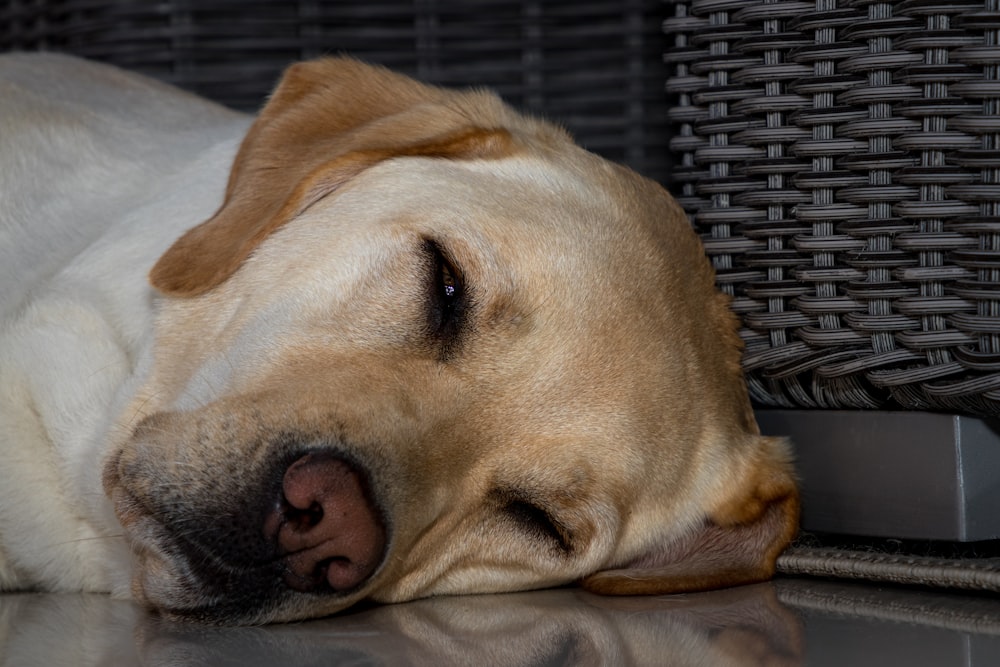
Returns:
(100, 171)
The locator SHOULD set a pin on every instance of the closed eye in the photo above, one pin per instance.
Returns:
(447, 298)
(536, 522)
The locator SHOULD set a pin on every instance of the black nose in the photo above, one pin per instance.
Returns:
(326, 529)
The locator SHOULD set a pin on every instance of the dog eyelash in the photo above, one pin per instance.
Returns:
(538, 522)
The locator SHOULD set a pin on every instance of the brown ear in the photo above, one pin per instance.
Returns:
(738, 543)
(327, 121)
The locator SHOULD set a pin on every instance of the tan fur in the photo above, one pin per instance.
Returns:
(598, 375)
(211, 252)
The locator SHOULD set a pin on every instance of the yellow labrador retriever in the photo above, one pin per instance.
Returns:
(385, 341)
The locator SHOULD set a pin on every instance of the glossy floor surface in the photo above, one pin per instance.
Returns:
(788, 622)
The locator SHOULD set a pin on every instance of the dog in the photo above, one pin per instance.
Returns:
(383, 341)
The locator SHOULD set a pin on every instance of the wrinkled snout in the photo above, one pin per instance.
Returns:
(326, 530)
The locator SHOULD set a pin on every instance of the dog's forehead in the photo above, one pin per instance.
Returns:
(579, 236)
(567, 213)
(576, 251)
(594, 253)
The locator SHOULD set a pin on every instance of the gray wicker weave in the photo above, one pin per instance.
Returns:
(595, 66)
(842, 159)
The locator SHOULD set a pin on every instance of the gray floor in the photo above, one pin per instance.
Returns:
(788, 622)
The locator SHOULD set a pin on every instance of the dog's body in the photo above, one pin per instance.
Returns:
(99, 173)
(425, 346)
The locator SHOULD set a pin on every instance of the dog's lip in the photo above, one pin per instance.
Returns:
(166, 580)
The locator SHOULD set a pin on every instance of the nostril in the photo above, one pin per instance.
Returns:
(307, 575)
(325, 527)
(302, 519)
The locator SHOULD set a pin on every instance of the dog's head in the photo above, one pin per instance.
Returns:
(427, 346)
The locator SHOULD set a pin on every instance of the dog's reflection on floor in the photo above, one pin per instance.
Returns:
(740, 626)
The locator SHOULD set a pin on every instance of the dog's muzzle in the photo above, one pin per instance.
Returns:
(293, 523)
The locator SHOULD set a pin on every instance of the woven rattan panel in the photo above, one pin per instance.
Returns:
(842, 160)
(595, 66)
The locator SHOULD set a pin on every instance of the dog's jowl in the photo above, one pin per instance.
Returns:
(381, 342)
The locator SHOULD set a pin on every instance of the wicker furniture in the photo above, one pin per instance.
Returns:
(842, 161)
(594, 66)
(842, 158)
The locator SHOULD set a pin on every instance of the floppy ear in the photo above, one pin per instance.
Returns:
(327, 121)
(738, 543)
